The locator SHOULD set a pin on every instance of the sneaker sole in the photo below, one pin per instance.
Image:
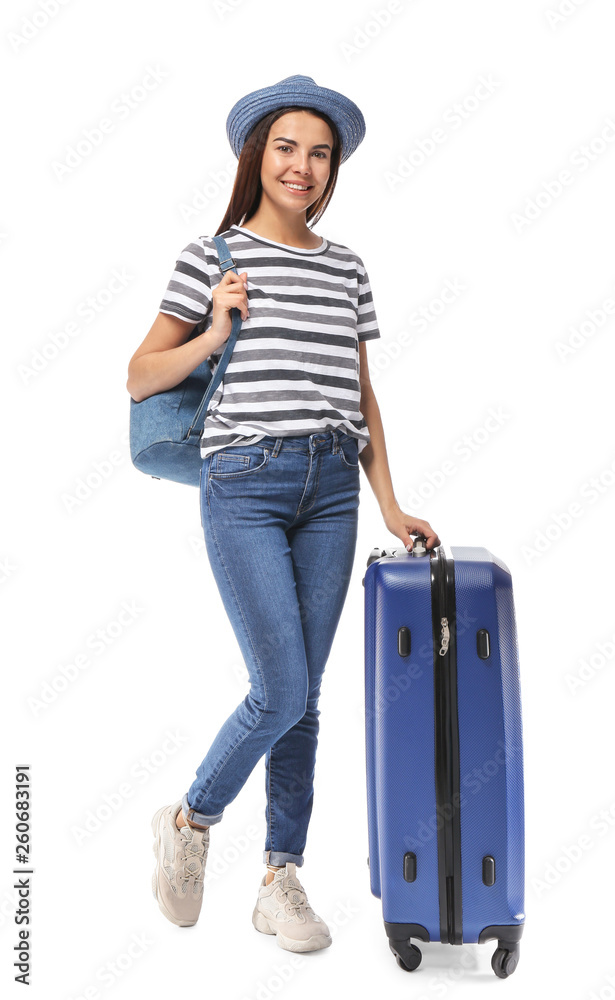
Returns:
(314, 943)
(158, 839)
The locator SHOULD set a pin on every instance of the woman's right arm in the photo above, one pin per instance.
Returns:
(166, 357)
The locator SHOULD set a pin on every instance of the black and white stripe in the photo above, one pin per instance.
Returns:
(295, 367)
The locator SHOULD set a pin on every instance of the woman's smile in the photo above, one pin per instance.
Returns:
(296, 188)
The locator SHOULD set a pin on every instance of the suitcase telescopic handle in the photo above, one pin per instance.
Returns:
(418, 550)
(418, 547)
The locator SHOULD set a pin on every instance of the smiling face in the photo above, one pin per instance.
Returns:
(298, 152)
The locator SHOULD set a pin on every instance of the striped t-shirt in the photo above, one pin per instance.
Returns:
(295, 366)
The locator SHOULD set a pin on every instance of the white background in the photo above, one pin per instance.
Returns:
(460, 211)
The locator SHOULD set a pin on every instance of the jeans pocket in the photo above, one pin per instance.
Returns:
(239, 461)
(349, 451)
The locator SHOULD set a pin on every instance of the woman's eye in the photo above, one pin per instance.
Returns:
(320, 154)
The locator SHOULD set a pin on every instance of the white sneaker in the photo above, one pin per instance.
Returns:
(282, 909)
(181, 856)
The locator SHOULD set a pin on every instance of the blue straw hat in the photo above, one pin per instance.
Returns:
(301, 90)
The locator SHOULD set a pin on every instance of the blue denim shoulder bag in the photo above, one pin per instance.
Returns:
(166, 428)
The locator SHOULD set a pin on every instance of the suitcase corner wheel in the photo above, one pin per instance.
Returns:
(407, 955)
(411, 955)
(505, 962)
(505, 958)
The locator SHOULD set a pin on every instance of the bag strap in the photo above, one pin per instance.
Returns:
(226, 263)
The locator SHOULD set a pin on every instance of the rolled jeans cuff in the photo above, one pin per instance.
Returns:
(279, 858)
(196, 818)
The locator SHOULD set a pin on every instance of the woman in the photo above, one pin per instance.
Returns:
(285, 435)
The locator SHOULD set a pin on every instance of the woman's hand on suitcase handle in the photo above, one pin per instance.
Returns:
(403, 525)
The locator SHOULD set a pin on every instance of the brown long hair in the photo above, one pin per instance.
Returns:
(247, 189)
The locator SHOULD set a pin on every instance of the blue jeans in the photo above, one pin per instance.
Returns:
(280, 522)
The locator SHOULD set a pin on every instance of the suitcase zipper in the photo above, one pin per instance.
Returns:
(445, 634)
(446, 747)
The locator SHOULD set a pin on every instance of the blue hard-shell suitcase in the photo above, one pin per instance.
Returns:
(444, 750)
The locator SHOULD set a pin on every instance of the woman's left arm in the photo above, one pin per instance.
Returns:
(375, 463)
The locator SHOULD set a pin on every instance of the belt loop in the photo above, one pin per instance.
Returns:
(277, 447)
(335, 443)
